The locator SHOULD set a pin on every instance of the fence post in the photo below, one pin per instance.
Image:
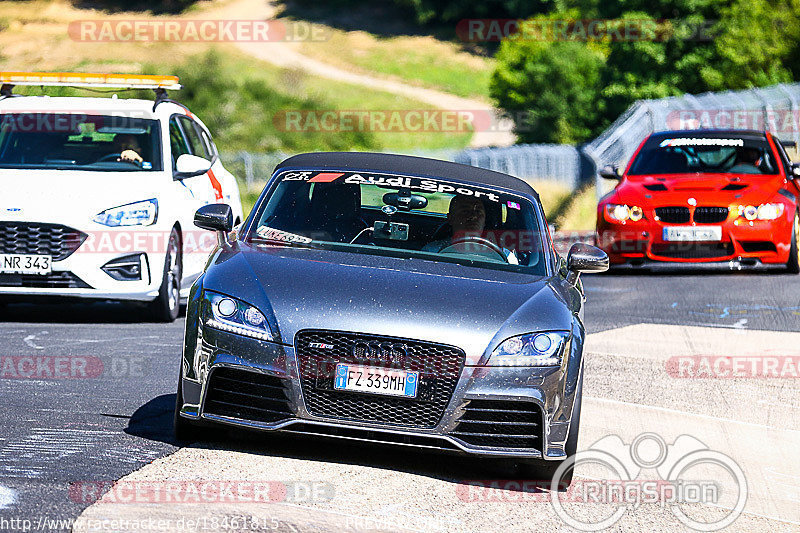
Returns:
(247, 159)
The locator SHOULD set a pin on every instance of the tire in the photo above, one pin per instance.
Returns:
(167, 305)
(793, 264)
(183, 429)
(545, 470)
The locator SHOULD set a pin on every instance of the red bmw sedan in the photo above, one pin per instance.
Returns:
(706, 198)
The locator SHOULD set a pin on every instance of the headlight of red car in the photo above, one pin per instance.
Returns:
(769, 211)
(623, 213)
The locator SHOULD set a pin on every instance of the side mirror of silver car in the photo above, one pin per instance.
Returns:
(584, 257)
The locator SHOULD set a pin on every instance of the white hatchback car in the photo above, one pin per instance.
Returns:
(99, 194)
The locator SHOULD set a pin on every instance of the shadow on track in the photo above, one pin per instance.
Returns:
(71, 312)
(153, 421)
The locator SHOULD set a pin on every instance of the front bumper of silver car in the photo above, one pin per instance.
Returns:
(520, 412)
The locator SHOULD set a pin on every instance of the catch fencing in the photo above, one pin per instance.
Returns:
(775, 108)
(531, 162)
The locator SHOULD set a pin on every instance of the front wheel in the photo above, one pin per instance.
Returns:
(167, 304)
(793, 264)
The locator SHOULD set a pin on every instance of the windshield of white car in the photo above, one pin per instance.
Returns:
(703, 154)
(402, 216)
(74, 141)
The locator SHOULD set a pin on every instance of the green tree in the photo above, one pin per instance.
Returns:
(556, 83)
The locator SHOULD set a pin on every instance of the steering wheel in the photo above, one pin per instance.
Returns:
(476, 240)
(117, 158)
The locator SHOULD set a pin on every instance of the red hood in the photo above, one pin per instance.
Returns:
(707, 189)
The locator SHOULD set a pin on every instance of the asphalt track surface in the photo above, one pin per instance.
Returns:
(88, 432)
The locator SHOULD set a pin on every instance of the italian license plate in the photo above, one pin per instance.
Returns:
(25, 264)
(375, 380)
(693, 234)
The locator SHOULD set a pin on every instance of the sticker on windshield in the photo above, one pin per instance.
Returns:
(701, 141)
(397, 182)
(326, 177)
(513, 205)
(272, 234)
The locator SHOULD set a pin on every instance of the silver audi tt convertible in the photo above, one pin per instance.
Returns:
(390, 299)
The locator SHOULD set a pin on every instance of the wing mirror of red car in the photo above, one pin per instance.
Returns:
(610, 172)
(795, 171)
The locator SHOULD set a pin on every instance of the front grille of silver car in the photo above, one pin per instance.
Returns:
(501, 424)
(32, 238)
(439, 368)
(246, 395)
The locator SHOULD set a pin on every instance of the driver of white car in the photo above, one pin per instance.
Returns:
(466, 216)
(127, 146)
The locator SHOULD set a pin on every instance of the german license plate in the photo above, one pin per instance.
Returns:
(693, 233)
(375, 380)
(25, 264)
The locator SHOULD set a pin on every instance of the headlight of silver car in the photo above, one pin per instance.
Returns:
(532, 349)
(234, 316)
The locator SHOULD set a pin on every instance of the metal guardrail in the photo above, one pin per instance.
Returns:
(774, 108)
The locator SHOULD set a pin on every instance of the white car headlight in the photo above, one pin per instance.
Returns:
(532, 349)
(762, 212)
(235, 316)
(142, 213)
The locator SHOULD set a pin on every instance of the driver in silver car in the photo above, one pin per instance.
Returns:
(466, 216)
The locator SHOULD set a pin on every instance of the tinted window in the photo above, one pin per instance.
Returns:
(696, 153)
(190, 129)
(177, 142)
(403, 216)
(79, 142)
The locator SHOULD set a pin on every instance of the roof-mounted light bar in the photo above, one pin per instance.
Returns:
(82, 79)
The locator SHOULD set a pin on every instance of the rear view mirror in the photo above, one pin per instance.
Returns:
(215, 217)
(405, 200)
(189, 165)
(610, 172)
(584, 257)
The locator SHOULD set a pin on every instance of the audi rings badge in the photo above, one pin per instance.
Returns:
(380, 353)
